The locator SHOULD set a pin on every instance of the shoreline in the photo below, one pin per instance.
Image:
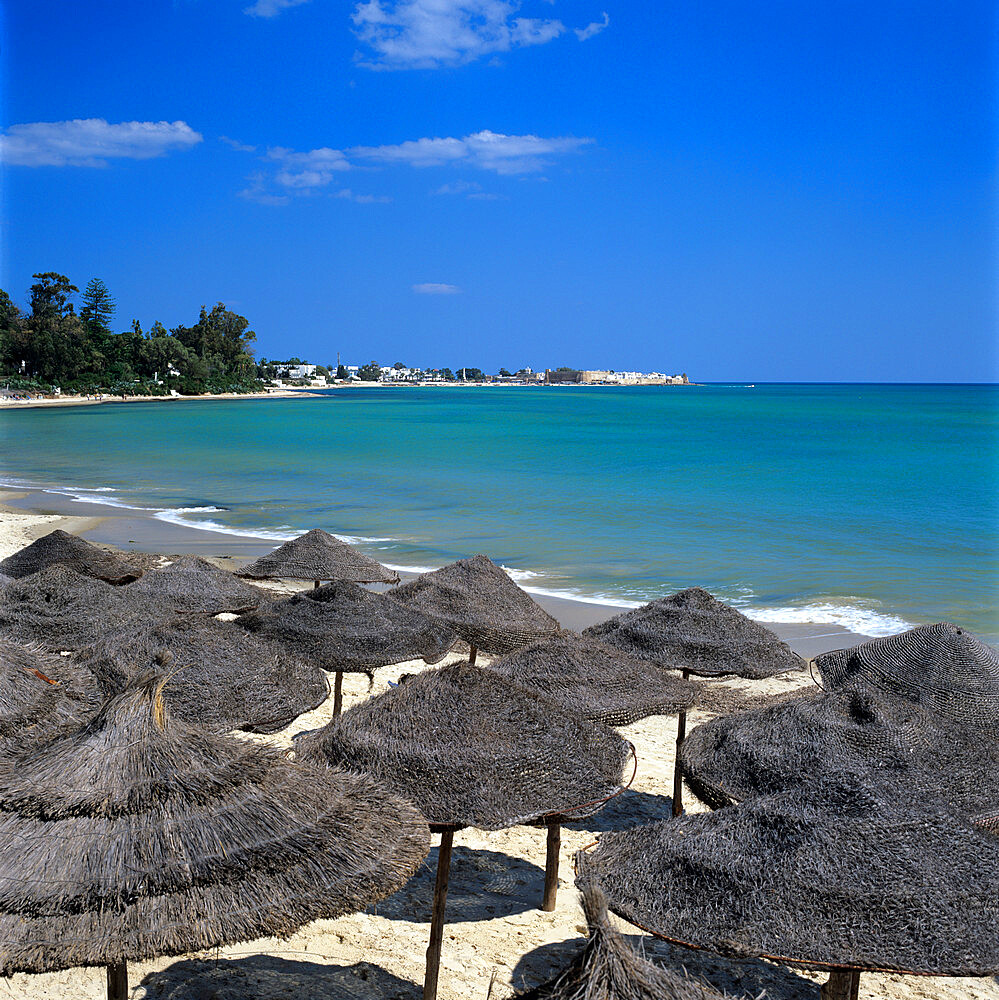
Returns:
(29, 404)
(26, 514)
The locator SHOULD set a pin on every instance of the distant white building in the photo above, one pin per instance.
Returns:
(296, 371)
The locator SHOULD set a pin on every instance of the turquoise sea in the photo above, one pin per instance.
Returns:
(872, 506)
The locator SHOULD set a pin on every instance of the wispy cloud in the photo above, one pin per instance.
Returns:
(240, 147)
(594, 28)
(316, 168)
(436, 288)
(423, 34)
(270, 8)
(92, 142)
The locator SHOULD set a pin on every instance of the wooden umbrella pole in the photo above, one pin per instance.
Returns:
(117, 981)
(337, 693)
(437, 917)
(551, 865)
(316, 585)
(681, 732)
(843, 984)
(472, 650)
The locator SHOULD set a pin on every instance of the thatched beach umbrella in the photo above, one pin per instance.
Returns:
(317, 555)
(471, 749)
(193, 585)
(345, 629)
(481, 603)
(64, 549)
(608, 968)
(694, 632)
(921, 708)
(841, 874)
(601, 683)
(219, 675)
(137, 836)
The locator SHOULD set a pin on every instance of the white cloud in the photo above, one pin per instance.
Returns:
(459, 187)
(270, 8)
(240, 147)
(313, 169)
(92, 142)
(423, 34)
(594, 28)
(504, 154)
(436, 288)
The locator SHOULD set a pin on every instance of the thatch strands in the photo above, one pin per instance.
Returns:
(192, 585)
(840, 874)
(318, 555)
(137, 836)
(691, 630)
(59, 609)
(219, 675)
(608, 968)
(481, 603)
(342, 627)
(58, 547)
(600, 682)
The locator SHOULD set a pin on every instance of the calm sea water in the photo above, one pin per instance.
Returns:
(870, 506)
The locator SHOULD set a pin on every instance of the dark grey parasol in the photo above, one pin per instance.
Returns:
(481, 603)
(471, 749)
(317, 555)
(193, 585)
(59, 547)
(137, 836)
(343, 628)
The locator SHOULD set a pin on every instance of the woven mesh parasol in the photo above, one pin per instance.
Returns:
(58, 547)
(840, 873)
(481, 603)
(219, 675)
(601, 683)
(318, 555)
(608, 968)
(193, 585)
(924, 721)
(345, 628)
(693, 631)
(138, 835)
(59, 609)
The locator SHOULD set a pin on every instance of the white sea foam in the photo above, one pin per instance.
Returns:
(853, 617)
(283, 533)
(100, 497)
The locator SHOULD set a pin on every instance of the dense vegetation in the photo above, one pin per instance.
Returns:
(54, 346)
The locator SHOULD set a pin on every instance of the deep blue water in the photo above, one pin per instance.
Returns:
(869, 505)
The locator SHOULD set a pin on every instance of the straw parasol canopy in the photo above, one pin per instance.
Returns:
(471, 749)
(601, 683)
(919, 708)
(343, 627)
(68, 550)
(318, 555)
(481, 603)
(137, 836)
(60, 609)
(608, 968)
(692, 631)
(193, 585)
(218, 675)
(840, 873)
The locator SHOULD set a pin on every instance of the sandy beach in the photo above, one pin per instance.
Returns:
(107, 399)
(496, 934)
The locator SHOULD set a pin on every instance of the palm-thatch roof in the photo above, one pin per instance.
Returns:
(193, 585)
(60, 609)
(343, 627)
(471, 749)
(691, 630)
(925, 723)
(609, 968)
(138, 835)
(318, 555)
(601, 683)
(481, 603)
(218, 674)
(69, 550)
(838, 873)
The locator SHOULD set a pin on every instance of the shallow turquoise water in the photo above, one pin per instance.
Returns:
(871, 506)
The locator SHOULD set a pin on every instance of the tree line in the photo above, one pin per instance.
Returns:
(53, 345)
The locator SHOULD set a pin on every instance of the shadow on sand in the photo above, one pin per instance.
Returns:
(630, 808)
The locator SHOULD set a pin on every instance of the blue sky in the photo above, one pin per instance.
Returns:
(739, 191)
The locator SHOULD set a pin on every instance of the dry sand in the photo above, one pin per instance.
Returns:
(495, 931)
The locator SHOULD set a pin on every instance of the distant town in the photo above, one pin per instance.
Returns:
(296, 372)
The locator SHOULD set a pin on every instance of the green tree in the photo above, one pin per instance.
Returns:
(504, 373)
(370, 372)
(398, 366)
(470, 375)
(341, 372)
(96, 308)
(55, 347)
